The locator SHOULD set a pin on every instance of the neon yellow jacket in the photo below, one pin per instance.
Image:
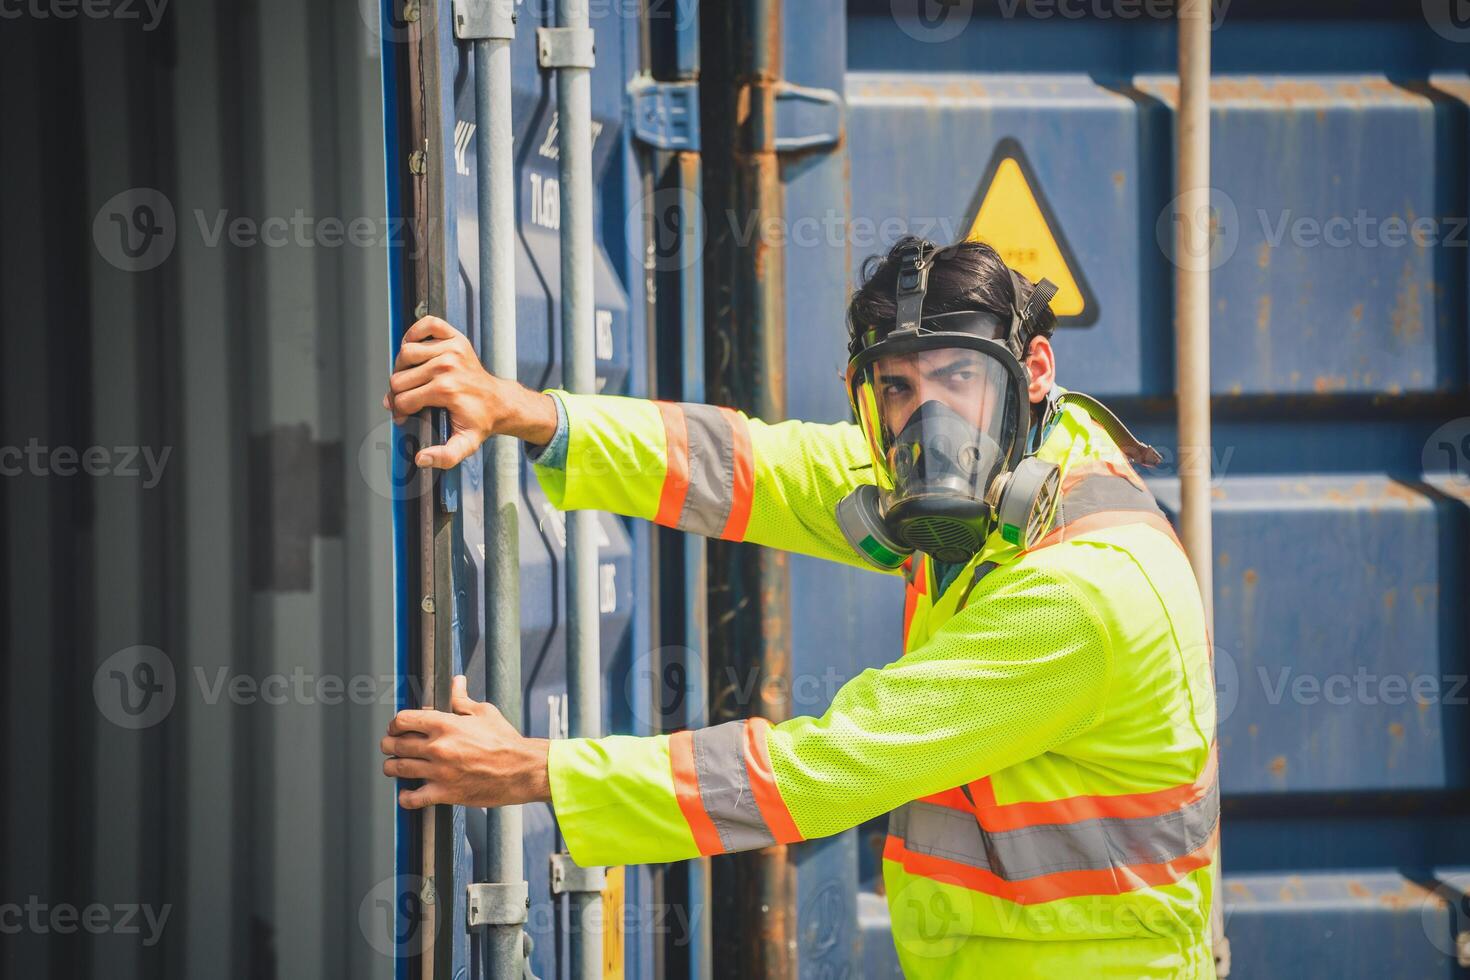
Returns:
(1044, 746)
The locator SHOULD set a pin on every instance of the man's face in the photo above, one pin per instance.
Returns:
(963, 380)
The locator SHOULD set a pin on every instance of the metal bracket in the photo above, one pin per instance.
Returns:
(806, 118)
(566, 47)
(567, 876)
(665, 114)
(484, 20)
(497, 903)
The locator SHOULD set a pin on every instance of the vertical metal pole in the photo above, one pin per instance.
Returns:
(1192, 293)
(569, 49)
(496, 192)
(499, 903)
(1192, 338)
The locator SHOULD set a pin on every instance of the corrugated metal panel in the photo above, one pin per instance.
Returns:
(251, 816)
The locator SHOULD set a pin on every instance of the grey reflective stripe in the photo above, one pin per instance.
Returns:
(724, 787)
(711, 471)
(1096, 494)
(1043, 849)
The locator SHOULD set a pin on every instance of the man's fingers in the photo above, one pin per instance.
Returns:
(460, 701)
(459, 446)
(410, 769)
(412, 721)
(430, 327)
(414, 355)
(410, 378)
(416, 799)
(412, 746)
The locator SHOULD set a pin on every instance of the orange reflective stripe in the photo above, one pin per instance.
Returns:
(1103, 520)
(1117, 880)
(743, 479)
(911, 594)
(763, 784)
(686, 790)
(676, 476)
(997, 818)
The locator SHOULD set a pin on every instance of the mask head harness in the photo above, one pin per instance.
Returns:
(943, 403)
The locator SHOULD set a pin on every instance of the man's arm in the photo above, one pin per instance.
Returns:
(1001, 682)
(697, 468)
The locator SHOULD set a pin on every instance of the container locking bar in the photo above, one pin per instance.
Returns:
(568, 877)
(566, 47)
(497, 903)
(484, 20)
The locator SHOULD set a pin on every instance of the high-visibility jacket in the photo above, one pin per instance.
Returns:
(1043, 746)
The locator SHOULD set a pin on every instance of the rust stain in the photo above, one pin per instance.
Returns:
(1263, 314)
(1390, 599)
(1407, 317)
(1263, 255)
(1250, 577)
(1239, 889)
(1357, 890)
(1253, 730)
(1358, 313)
(1411, 896)
(1119, 179)
(1224, 559)
(1278, 765)
(1327, 383)
(1396, 730)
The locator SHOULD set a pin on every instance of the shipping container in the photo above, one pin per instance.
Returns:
(184, 292)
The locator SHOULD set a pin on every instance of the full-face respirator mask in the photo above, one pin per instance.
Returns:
(943, 401)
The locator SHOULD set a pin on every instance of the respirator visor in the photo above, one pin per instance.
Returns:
(946, 416)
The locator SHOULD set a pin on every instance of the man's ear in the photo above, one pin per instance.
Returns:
(1041, 368)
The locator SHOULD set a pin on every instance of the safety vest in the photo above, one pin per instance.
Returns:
(1022, 854)
(1043, 746)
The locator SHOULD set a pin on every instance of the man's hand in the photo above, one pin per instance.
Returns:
(438, 368)
(471, 757)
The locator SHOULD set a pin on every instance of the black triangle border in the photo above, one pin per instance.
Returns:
(1010, 148)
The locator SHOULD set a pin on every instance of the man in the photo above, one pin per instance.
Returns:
(1043, 747)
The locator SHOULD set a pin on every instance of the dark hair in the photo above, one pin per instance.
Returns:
(967, 275)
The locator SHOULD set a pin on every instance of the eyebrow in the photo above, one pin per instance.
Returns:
(962, 360)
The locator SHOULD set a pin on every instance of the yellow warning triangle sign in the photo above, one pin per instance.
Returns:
(1011, 215)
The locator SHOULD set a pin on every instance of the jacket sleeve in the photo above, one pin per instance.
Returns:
(1004, 680)
(710, 471)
